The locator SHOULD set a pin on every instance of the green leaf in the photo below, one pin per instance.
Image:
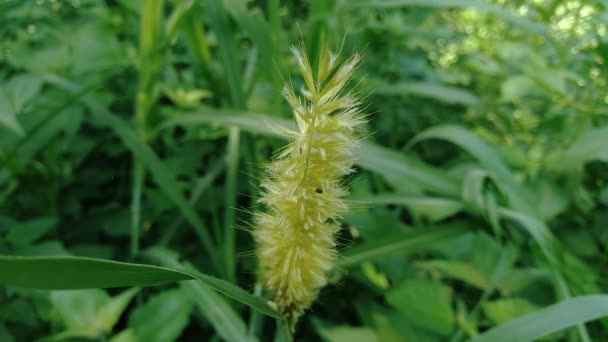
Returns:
(487, 157)
(227, 323)
(434, 91)
(351, 334)
(89, 313)
(435, 209)
(23, 88)
(166, 257)
(77, 309)
(8, 119)
(503, 310)
(425, 303)
(546, 240)
(162, 318)
(80, 273)
(590, 146)
(401, 243)
(459, 270)
(25, 233)
(111, 311)
(548, 320)
(477, 5)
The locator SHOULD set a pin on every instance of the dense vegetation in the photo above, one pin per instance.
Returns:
(138, 131)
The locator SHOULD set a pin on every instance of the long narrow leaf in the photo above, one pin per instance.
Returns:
(402, 242)
(226, 321)
(64, 273)
(487, 157)
(549, 320)
(477, 5)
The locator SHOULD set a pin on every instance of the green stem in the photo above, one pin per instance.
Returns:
(138, 181)
(228, 53)
(230, 202)
(149, 65)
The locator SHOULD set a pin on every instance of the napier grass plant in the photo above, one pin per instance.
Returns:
(150, 131)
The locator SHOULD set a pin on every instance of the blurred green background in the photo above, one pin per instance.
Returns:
(482, 186)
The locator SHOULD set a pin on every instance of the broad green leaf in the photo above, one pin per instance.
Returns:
(77, 310)
(21, 89)
(81, 273)
(162, 318)
(590, 146)
(447, 94)
(89, 313)
(126, 335)
(552, 250)
(517, 279)
(9, 121)
(506, 309)
(435, 209)
(401, 243)
(27, 232)
(44, 248)
(111, 311)
(516, 87)
(399, 167)
(547, 241)
(39, 135)
(548, 320)
(477, 5)
(351, 334)
(459, 270)
(424, 303)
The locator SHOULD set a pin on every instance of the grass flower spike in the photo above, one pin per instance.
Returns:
(303, 190)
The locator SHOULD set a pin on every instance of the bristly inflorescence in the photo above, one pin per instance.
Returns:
(303, 190)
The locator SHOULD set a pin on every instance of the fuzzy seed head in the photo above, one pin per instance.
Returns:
(302, 190)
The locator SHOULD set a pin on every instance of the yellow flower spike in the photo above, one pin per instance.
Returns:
(302, 189)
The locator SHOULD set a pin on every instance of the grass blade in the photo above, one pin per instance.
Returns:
(477, 5)
(66, 273)
(487, 157)
(447, 94)
(551, 319)
(227, 323)
(402, 242)
(220, 285)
